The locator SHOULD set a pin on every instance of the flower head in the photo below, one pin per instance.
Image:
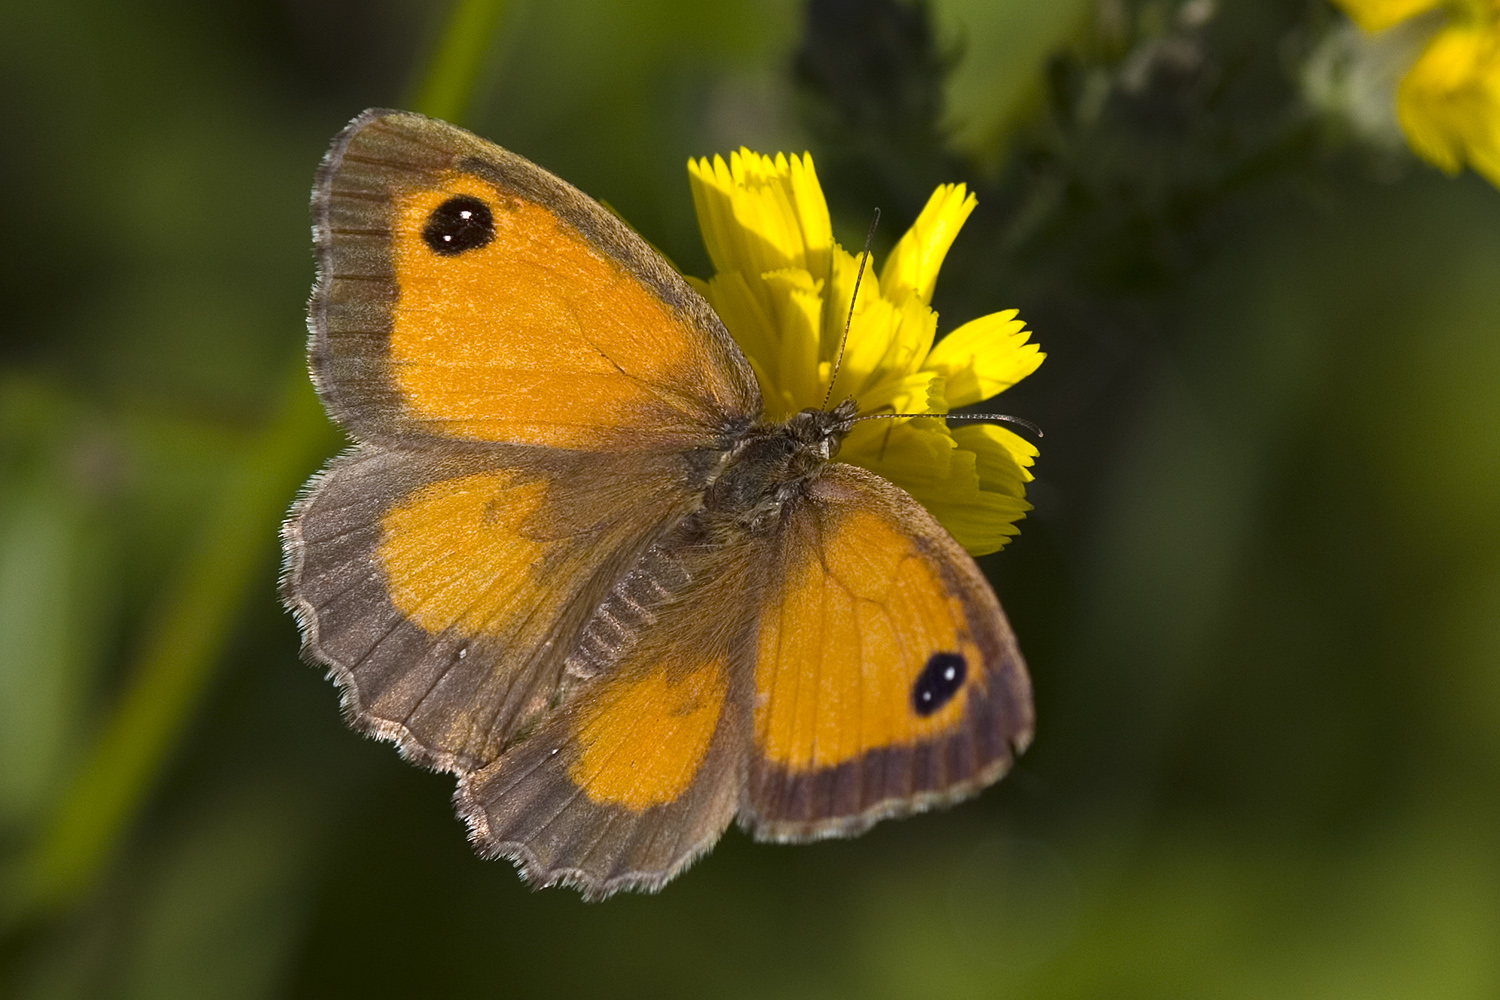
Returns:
(783, 288)
(1448, 102)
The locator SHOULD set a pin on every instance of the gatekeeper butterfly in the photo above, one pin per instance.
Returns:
(568, 561)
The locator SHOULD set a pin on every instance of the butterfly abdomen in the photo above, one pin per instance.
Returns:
(663, 576)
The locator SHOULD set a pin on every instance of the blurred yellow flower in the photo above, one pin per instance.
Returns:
(783, 287)
(1448, 102)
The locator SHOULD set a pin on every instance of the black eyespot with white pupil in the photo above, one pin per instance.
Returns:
(458, 225)
(938, 682)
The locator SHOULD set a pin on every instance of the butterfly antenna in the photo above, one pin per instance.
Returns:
(1002, 418)
(864, 258)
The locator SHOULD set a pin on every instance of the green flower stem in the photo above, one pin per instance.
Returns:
(183, 643)
(237, 539)
(448, 83)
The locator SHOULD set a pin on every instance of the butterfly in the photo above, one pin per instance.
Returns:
(567, 560)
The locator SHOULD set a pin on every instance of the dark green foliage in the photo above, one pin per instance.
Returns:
(872, 78)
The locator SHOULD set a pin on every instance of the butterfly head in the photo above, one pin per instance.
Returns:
(814, 435)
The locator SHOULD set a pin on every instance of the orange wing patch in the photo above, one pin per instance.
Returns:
(533, 337)
(640, 741)
(861, 616)
(455, 553)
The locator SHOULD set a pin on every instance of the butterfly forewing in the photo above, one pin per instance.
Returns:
(466, 294)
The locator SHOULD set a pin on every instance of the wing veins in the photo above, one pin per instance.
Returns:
(649, 388)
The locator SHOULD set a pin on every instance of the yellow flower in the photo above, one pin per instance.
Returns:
(1448, 102)
(783, 287)
(1377, 15)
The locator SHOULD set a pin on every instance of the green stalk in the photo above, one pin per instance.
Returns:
(190, 632)
(184, 641)
(447, 85)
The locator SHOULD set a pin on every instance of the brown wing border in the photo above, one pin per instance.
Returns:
(682, 815)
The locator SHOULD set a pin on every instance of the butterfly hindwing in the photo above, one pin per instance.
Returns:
(640, 770)
(443, 589)
(886, 677)
(466, 294)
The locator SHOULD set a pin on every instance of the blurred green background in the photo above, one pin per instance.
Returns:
(1259, 594)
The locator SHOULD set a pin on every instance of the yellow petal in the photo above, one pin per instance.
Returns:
(910, 339)
(812, 214)
(748, 226)
(919, 392)
(913, 265)
(797, 304)
(924, 459)
(1377, 15)
(1449, 103)
(713, 195)
(746, 315)
(981, 525)
(783, 288)
(886, 342)
(844, 272)
(871, 324)
(1003, 458)
(1002, 462)
(916, 455)
(984, 356)
(759, 214)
